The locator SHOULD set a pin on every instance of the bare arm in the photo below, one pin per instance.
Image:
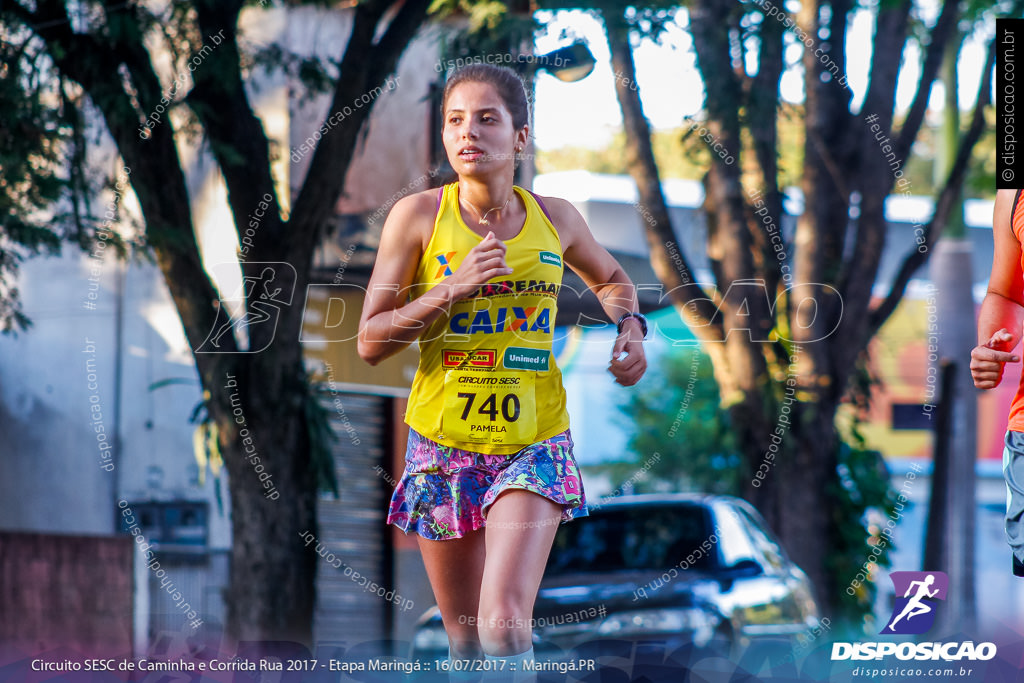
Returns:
(1002, 311)
(609, 282)
(389, 324)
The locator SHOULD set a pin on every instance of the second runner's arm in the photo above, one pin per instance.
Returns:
(1002, 311)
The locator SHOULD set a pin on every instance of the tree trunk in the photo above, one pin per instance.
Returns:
(808, 513)
(851, 163)
(796, 451)
(753, 430)
(271, 592)
(256, 399)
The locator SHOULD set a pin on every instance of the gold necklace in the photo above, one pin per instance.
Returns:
(483, 219)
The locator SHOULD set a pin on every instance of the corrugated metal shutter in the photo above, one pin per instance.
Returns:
(201, 582)
(353, 527)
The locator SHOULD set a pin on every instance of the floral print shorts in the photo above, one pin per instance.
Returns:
(446, 492)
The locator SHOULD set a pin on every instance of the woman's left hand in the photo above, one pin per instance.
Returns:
(632, 366)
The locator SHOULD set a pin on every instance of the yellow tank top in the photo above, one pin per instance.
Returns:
(487, 380)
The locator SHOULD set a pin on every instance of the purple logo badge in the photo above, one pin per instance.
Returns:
(916, 596)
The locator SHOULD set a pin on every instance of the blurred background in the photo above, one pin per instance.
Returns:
(803, 193)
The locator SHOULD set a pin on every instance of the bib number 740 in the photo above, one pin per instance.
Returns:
(510, 407)
(489, 407)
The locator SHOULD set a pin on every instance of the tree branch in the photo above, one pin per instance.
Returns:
(763, 116)
(364, 68)
(667, 257)
(155, 167)
(729, 235)
(828, 147)
(874, 178)
(237, 139)
(822, 227)
(944, 203)
(945, 25)
(889, 39)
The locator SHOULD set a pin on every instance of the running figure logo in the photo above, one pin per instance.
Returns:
(261, 298)
(914, 612)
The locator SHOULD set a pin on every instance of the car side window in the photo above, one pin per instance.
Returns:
(768, 549)
(734, 542)
(644, 538)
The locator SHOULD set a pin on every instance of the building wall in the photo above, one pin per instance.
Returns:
(51, 597)
(59, 478)
(50, 451)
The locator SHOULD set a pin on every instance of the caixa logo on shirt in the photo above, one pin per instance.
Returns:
(510, 319)
(445, 260)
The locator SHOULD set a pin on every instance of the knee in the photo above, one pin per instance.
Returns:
(504, 611)
(505, 627)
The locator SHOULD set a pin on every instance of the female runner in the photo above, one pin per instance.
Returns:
(472, 272)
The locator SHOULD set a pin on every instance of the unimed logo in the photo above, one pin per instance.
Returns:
(914, 613)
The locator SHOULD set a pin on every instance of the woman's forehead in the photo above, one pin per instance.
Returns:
(472, 95)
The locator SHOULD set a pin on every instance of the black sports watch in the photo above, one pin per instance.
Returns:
(638, 316)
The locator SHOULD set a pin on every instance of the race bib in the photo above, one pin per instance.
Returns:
(491, 407)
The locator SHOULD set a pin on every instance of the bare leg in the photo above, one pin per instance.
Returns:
(520, 529)
(455, 568)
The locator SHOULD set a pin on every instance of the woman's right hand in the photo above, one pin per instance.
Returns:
(483, 262)
(987, 360)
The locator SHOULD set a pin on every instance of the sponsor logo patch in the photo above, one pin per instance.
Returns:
(445, 260)
(519, 358)
(481, 358)
(551, 258)
(513, 319)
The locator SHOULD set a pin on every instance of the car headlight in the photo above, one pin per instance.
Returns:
(431, 636)
(698, 621)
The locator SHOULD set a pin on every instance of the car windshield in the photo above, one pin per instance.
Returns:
(630, 538)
